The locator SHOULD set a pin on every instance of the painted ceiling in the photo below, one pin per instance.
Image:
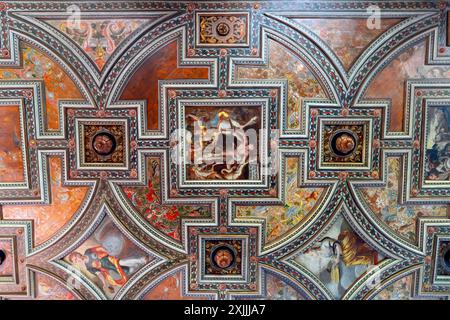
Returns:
(343, 193)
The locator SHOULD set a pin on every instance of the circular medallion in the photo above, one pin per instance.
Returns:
(223, 257)
(104, 143)
(343, 143)
(222, 29)
(2, 256)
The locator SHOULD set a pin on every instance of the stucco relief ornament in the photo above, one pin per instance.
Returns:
(226, 29)
(345, 143)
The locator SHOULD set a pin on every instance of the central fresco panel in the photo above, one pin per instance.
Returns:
(286, 150)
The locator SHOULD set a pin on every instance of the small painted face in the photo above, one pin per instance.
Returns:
(103, 143)
(78, 259)
(223, 258)
(345, 143)
(223, 115)
(433, 176)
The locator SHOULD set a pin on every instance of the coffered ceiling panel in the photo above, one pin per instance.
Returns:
(224, 150)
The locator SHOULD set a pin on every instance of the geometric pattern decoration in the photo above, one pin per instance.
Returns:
(208, 150)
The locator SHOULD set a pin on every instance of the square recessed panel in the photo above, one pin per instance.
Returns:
(16, 243)
(102, 144)
(345, 143)
(436, 161)
(223, 143)
(223, 258)
(222, 29)
(13, 148)
(221, 122)
(442, 263)
(448, 28)
(8, 268)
